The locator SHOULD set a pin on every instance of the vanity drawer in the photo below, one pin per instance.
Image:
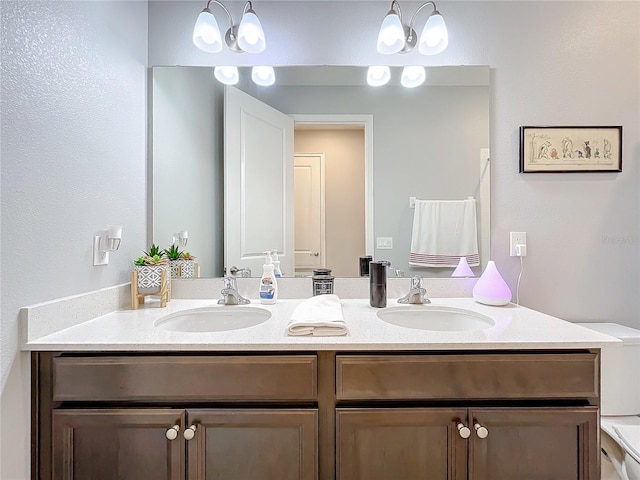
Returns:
(467, 376)
(185, 378)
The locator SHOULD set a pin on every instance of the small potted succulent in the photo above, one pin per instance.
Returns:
(149, 268)
(182, 263)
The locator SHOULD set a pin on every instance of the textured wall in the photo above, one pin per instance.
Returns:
(553, 63)
(73, 160)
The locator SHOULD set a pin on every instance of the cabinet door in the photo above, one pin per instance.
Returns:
(117, 444)
(535, 444)
(400, 444)
(253, 444)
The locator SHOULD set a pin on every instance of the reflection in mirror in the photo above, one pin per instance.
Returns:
(367, 150)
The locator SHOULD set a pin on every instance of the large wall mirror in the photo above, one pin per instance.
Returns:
(354, 155)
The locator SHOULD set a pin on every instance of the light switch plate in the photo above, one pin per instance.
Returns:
(384, 243)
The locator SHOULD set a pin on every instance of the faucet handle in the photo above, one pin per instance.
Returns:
(230, 282)
(416, 281)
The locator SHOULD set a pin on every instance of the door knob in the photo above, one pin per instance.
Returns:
(463, 430)
(481, 431)
(190, 432)
(316, 254)
(172, 433)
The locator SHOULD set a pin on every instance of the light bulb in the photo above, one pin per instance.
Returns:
(250, 34)
(206, 33)
(434, 38)
(378, 75)
(391, 35)
(413, 76)
(227, 75)
(263, 76)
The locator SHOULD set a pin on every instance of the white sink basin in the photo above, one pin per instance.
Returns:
(435, 318)
(213, 319)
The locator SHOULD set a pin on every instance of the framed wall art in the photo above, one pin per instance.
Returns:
(570, 149)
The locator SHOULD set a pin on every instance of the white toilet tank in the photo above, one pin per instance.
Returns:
(620, 371)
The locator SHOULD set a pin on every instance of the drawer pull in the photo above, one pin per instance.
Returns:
(172, 433)
(463, 430)
(190, 432)
(481, 431)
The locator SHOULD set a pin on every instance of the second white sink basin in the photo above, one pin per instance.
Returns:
(213, 319)
(435, 318)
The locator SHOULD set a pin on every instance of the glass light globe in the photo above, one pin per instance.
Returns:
(263, 76)
(227, 75)
(413, 76)
(391, 35)
(378, 75)
(434, 38)
(206, 33)
(250, 33)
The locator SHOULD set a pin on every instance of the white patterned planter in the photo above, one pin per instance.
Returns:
(182, 268)
(149, 278)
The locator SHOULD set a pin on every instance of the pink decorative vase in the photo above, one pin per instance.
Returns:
(491, 288)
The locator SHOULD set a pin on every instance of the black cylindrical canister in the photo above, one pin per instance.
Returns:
(322, 281)
(378, 284)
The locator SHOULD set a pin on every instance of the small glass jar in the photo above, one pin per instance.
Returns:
(322, 281)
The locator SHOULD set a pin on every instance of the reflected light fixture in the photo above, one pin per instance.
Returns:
(394, 37)
(413, 76)
(263, 76)
(248, 36)
(227, 75)
(378, 75)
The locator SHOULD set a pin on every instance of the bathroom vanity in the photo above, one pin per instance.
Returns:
(518, 403)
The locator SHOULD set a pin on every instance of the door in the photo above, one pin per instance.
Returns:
(258, 183)
(534, 444)
(400, 444)
(253, 444)
(118, 444)
(309, 218)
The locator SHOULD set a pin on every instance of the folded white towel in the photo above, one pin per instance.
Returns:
(630, 437)
(319, 316)
(444, 231)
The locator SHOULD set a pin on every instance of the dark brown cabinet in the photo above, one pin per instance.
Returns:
(494, 415)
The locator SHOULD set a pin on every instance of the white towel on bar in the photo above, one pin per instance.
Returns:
(444, 231)
(319, 316)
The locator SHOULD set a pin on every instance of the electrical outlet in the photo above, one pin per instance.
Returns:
(516, 238)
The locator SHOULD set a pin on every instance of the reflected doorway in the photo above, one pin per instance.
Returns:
(330, 206)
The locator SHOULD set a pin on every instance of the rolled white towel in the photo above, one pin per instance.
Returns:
(319, 316)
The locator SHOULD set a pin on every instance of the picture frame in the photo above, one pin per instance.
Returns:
(565, 149)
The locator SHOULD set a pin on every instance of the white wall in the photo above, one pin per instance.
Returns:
(553, 63)
(73, 160)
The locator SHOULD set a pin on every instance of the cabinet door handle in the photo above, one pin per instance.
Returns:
(190, 432)
(172, 433)
(481, 431)
(463, 430)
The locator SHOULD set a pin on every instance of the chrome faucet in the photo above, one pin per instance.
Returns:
(230, 294)
(240, 272)
(416, 294)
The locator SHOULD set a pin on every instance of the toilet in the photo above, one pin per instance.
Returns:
(620, 401)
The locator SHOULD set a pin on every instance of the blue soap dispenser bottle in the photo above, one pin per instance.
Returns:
(268, 283)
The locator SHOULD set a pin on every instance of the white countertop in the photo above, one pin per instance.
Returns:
(515, 327)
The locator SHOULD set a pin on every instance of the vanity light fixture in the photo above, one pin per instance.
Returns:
(394, 37)
(413, 76)
(107, 241)
(263, 76)
(227, 75)
(181, 238)
(248, 36)
(378, 75)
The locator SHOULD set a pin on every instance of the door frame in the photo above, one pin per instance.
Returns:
(367, 122)
(323, 235)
